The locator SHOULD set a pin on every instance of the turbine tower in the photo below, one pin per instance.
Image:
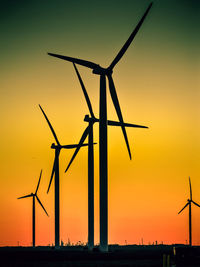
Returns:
(55, 171)
(89, 132)
(103, 162)
(34, 195)
(189, 203)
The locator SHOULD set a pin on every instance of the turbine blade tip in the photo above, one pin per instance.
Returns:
(66, 169)
(51, 54)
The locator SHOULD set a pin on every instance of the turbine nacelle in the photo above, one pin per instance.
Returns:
(54, 146)
(90, 119)
(102, 71)
(59, 147)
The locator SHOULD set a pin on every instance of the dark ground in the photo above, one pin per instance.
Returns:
(119, 256)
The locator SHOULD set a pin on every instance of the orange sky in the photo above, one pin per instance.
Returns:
(156, 83)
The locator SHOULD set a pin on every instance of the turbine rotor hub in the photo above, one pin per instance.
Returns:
(89, 119)
(54, 146)
(102, 71)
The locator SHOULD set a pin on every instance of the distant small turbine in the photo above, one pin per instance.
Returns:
(89, 132)
(189, 201)
(34, 195)
(55, 171)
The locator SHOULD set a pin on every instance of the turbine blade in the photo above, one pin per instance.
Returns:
(115, 100)
(30, 195)
(73, 146)
(38, 183)
(84, 92)
(195, 203)
(50, 126)
(190, 189)
(52, 173)
(130, 39)
(42, 205)
(82, 62)
(117, 123)
(83, 137)
(183, 208)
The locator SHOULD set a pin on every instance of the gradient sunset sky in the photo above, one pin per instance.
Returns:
(158, 86)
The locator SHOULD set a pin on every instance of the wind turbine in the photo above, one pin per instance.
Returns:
(89, 132)
(103, 170)
(34, 195)
(55, 171)
(189, 201)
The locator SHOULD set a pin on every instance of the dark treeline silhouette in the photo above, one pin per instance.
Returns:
(118, 256)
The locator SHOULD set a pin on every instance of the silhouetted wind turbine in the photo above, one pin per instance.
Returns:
(189, 201)
(55, 171)
(89, 132)
(34, 195)
(103, 170)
